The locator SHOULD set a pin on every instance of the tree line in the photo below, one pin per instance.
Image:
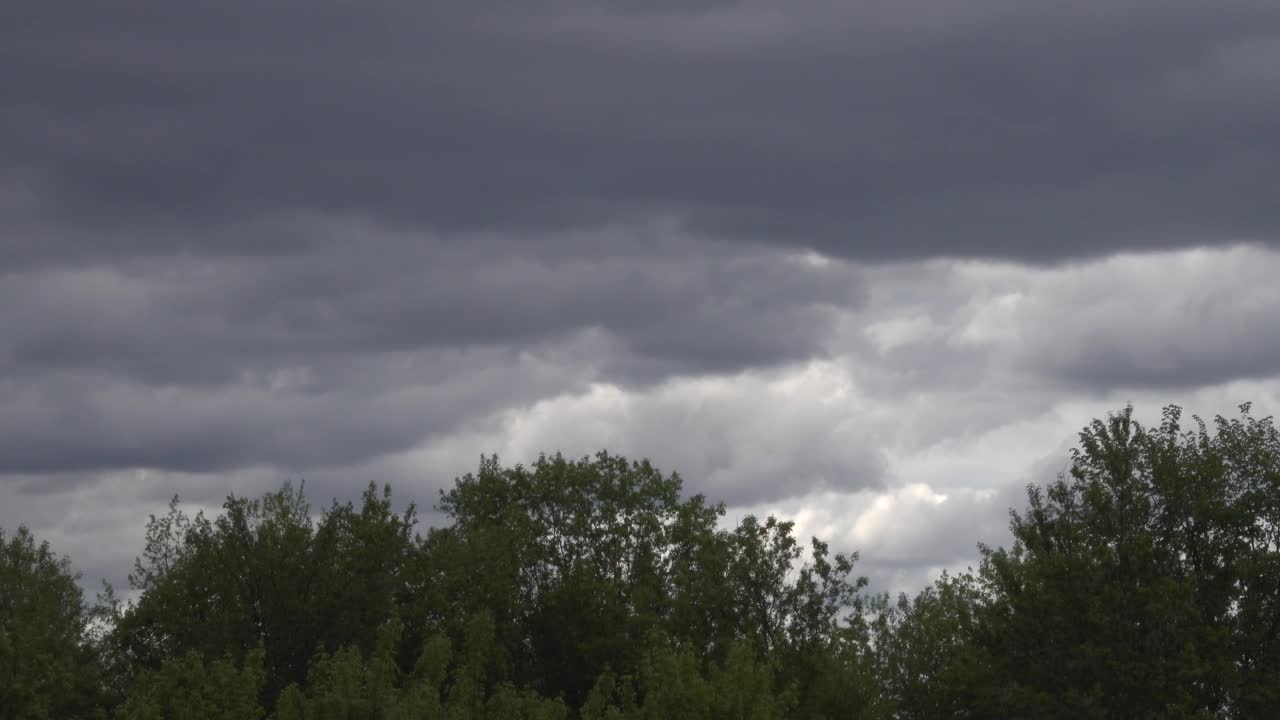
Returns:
(1143, 583)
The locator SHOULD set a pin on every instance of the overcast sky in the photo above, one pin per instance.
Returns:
(869, 265)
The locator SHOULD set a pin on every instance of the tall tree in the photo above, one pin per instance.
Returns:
(928, 662)
(186, 688)
(48, 667)
(1144, 583)
(579, 562)
(263, 572)
(570, 558)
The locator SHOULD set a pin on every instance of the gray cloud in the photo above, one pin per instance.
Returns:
(870, 131)
(352, 349)
(76, 423)
(748, 438)
(1007, 334)
(1202, 320)
(699, 306)
(354, 241)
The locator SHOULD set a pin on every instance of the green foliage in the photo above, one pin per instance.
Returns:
(264, 573)
(186, 688)
(742, 688)
(929, 664)
(580, 561)
(351, 684)
(568, 559)
(1143, 584)
(671, 684)
(48, 666)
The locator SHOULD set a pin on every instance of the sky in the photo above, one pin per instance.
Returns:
(867, 265)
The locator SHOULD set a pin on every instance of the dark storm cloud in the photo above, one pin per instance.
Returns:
(348, 351)
(699, 307)
(868, 130)
(242, 241)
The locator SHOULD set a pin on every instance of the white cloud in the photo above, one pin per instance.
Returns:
(939, 398)
(752, 435)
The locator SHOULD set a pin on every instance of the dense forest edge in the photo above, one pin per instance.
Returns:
(1144, 582)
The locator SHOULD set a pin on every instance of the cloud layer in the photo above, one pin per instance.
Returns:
(871, 264)
(869, 130)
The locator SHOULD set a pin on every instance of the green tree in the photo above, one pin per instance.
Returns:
(611, 698)
(263, 572)
(742, 688)
(672, 684)
(48, 666)
(928, 663)
(354, 685)
(1143, 584)
(579, 562)
(568, 557)
(185, 688)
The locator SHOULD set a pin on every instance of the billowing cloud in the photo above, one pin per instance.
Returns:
(737, 439)
(869, 264)
(1171, 321)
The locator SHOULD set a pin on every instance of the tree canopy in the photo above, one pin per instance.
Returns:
(48, 663)
(1143, 583)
